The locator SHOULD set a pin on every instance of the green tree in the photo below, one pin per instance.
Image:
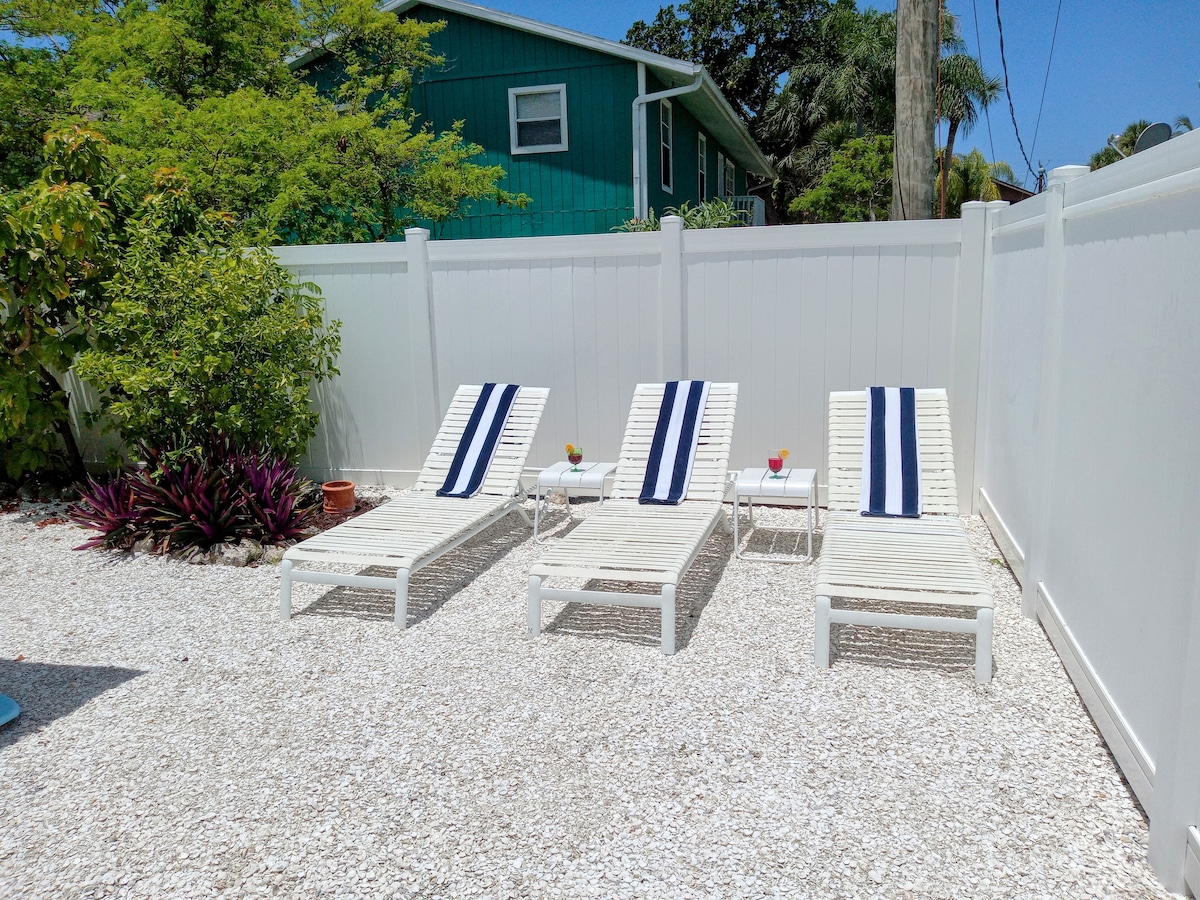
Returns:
(845, 89)
(972, 177)
(56, 251)
(746, 45)
(31, 98)
(856, 188)
(212, 88)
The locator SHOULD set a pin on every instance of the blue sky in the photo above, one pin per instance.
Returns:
(1113, 63)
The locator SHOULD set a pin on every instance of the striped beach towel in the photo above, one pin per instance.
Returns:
(673, 449)
(891, 482)
(478, 443)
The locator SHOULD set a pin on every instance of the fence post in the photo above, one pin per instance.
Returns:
(1176, 802)
(1045, 425)
(420, 295)
(672, 332)
(968, 324)
(987, 319)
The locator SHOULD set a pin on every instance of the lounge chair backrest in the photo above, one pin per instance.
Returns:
(847, 423)
(711, 468)
(504, 477)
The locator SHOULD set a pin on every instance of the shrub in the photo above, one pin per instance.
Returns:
(714, 213)
(202, 337)
(185, 504)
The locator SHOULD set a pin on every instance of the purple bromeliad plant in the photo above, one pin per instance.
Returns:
(272, 490)
(228, 494)
(111, 508)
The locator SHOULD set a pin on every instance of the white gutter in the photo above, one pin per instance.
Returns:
(641, 190)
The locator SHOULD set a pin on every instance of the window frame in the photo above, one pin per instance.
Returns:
(729, 179)
(721, 176)
(514, 148)
(702, 166)
(666, 120)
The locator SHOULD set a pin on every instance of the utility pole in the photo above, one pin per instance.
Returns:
(916, 81)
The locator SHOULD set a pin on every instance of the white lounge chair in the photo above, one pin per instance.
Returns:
(413, 530)
(900, 562)
(627, 541)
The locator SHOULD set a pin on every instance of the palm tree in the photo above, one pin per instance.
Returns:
(847, 91)
(972, 177)
(1182, 124)
(966, 89)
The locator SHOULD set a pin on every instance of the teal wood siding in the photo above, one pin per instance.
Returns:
(585, 189)
(685, 156)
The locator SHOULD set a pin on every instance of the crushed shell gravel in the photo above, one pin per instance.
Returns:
(179, 741)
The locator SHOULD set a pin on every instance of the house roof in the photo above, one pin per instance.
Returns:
(707, 104)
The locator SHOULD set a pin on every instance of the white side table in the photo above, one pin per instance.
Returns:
(559, 477)
(799, 484)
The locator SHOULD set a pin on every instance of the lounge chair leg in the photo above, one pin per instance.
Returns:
(668, 619)
(402, 598)
(524, 515)
(821, 634)
(285, 590)
(535, 605)
(983, 646)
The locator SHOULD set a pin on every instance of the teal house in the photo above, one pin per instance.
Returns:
(594, 131)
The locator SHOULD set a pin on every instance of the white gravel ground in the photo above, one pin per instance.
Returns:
(178, 740)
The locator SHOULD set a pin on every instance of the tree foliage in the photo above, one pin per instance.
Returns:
(210, 88)
(746, 45)
(972, 177)
(809, 77)
(203, 337)
(56, 251)
(857, 187)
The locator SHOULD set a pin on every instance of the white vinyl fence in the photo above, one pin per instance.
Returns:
(1067, 329)
(1089, 459)
(790, 313)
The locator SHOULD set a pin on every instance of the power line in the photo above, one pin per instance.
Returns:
(979, 49)
(1011, 111)
(1046, 81)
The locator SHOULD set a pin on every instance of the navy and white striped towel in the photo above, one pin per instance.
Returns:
(673, 450)
(891, 482)
(478, 443)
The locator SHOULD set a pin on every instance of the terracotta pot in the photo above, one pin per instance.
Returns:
(339, 496)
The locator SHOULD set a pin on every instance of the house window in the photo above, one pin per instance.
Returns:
(727, 178)
(702, 168)
(721, 175)
(538, 118)
(665, 128)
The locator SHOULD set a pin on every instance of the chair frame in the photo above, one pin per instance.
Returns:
(500, 495)
(600, 547)
(903, 561)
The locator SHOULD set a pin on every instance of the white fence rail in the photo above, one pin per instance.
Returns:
(1067, 329)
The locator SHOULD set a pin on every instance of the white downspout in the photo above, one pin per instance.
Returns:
(641, 190)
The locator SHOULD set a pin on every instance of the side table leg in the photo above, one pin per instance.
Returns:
(537, 511)
(737, 544)
(810, 526)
